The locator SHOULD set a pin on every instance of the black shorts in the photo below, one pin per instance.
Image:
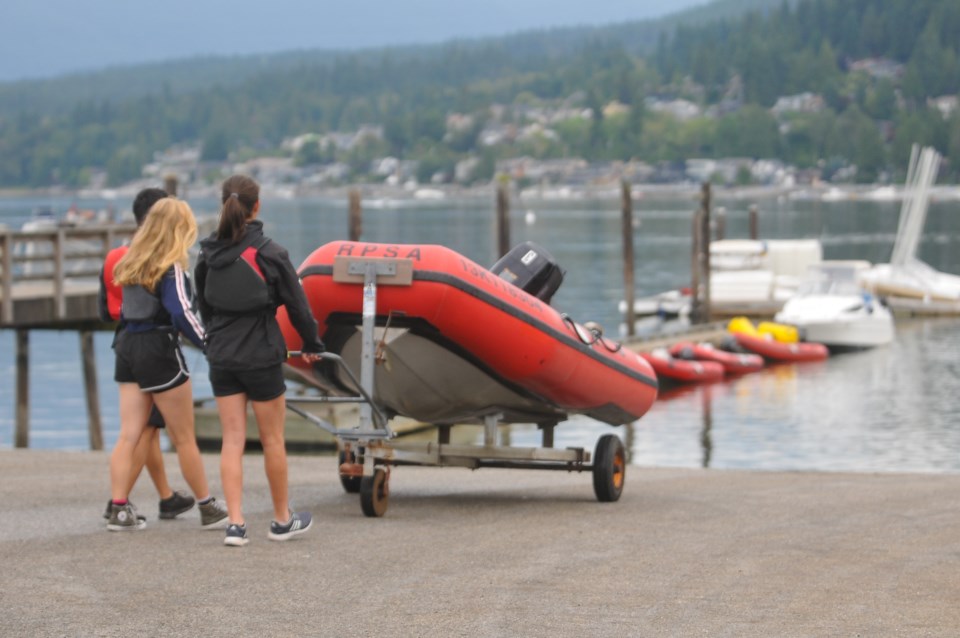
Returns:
(262, 384)
(153, 360)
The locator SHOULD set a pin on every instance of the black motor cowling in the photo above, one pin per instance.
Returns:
(532, 269)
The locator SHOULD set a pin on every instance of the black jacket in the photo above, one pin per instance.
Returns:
(253, 340)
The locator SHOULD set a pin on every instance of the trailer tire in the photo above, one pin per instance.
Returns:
(374, 493)
(609, 468)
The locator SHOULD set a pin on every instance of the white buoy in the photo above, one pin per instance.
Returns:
(530, 217)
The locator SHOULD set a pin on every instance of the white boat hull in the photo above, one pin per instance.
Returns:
(832, 322)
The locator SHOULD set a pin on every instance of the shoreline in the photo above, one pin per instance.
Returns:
(381, 195)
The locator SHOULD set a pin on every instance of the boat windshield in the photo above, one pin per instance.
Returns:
(826, 280)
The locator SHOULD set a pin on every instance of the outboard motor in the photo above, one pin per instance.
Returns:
(532, 269)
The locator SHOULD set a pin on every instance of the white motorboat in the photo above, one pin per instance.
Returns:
(833, 308)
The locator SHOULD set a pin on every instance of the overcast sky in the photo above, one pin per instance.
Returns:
(51, 37)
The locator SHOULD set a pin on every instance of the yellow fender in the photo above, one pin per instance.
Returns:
(779, 331)
(742, 325)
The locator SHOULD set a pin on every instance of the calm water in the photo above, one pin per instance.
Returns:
(890, 409)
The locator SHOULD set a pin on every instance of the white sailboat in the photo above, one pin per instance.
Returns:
(907, 283)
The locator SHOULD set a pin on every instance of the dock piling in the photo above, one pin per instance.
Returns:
(705, 250)
(628, 257)
(355, 216)
(88, 356)
(503, 216)
(21, 437)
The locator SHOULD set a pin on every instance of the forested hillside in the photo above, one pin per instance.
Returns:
(733, 68)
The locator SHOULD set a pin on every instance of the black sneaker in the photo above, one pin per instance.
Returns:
(299, 523)
(236, 535)
(106, 512)
(177, 504)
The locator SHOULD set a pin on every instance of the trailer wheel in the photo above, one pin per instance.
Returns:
(609, 468)
(351, 484)
(374, 494)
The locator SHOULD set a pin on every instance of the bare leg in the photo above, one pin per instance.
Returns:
(176, 406)
(233, 422)
(134, 409)
(271, 417)
(154, 462)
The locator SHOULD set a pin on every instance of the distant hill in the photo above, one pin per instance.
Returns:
(841, 87)
(122, 83)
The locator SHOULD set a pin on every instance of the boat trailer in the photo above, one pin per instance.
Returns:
(369, 450)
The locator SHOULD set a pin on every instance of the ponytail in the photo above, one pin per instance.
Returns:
(239, 195)
(233, 220)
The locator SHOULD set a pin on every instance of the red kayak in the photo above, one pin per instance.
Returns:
(669, 367)
(768, 348)
(456, 342)
(732, 362)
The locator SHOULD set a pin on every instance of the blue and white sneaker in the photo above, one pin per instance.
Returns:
(236, 535)
(299, 523)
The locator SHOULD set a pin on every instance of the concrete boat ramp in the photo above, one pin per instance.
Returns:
(492, 552)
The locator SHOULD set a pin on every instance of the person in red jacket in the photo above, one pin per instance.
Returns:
(147, 452)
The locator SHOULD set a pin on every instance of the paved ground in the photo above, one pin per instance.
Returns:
(490, 553)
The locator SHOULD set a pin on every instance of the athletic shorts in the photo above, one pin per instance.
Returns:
(153, 360)
(262, 384)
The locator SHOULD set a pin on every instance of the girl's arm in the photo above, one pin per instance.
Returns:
(177, 299)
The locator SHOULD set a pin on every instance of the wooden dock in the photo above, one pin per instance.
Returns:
(48, 278)
(49, 281)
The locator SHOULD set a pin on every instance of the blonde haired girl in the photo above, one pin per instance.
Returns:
(157, 307)
(164, 239)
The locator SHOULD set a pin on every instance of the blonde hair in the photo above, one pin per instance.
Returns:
(167, 233)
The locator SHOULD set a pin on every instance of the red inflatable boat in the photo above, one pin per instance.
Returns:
(457, 342)
(669, 367)
(769, 348)
(732, 362)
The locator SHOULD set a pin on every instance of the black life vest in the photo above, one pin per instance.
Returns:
(239, 287)
(141, 305)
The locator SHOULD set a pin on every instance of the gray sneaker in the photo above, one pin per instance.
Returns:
(108, 511)
(124, 518)
(213, 515)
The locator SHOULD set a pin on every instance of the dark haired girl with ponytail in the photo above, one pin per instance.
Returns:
(242, 278)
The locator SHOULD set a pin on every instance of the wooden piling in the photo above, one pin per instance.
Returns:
(503, 216)
(22, 434)
(705, 249)
(695, 267)
(355, 216)
(754, 223)
(626, 201)
(88, 357)
(721, 224)
(170, 184)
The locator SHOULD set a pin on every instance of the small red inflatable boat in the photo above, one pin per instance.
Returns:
(457, 342)
(732, 362)
(768, 348)
(683, 370)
